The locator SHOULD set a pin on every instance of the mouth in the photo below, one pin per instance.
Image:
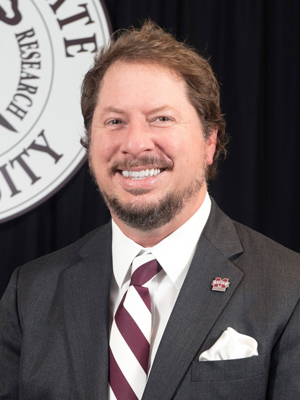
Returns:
(142, 169)
(142, 174)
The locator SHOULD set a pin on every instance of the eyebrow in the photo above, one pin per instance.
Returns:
(162, 108)
(110, 109)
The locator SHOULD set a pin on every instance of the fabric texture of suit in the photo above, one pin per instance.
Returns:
(54, 322)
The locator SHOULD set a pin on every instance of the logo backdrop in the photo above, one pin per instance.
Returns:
(46, 47)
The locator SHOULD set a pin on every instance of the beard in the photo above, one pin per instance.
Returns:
(146, 217)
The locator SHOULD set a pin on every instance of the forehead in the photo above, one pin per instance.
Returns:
(142, 79)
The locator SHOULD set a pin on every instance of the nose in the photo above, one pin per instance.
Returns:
(137, 139)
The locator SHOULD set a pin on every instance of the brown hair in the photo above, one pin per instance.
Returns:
(152, 44)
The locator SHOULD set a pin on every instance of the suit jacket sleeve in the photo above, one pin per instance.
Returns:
(54, 323)
(10, 341)
(284, 382)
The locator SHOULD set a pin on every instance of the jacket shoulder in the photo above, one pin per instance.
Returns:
(35, 285)
(45, 271)
(261, 248)
(67, 256)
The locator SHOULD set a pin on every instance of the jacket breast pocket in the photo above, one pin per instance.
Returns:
(205, 371)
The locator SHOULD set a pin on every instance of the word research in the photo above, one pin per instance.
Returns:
(46, 48)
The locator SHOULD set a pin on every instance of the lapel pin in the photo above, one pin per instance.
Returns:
(220, 285)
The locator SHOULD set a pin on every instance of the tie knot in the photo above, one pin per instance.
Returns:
(146, 271)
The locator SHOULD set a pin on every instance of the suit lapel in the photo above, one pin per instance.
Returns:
(86, 306)
(197, 307)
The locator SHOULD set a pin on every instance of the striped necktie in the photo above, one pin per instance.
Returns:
(131, 333)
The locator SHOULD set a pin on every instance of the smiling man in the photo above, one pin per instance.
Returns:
(148, 150)
(172, 299)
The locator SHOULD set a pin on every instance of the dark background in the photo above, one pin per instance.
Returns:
(254, 48)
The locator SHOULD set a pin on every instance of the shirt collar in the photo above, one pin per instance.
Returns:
(174, 253)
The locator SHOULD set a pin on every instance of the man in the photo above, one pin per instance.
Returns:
(222, 301)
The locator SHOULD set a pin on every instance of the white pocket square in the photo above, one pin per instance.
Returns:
(231, 345)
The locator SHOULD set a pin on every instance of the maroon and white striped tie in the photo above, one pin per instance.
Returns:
(131, 333)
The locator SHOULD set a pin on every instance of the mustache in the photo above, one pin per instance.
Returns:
(129, 163)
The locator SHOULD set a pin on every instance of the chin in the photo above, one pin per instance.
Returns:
(148, 215)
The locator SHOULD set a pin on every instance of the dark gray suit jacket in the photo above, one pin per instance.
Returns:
(54, 322)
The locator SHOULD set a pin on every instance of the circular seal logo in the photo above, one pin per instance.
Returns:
(46, 48)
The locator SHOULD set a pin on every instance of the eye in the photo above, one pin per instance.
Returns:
(114, 122)
(162, 119)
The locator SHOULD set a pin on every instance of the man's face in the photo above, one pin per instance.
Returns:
(148, 153)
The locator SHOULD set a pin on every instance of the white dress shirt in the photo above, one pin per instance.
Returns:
(174, 254)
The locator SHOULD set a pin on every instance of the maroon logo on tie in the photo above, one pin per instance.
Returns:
(220, 285)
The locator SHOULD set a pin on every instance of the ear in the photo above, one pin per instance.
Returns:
(211, 143)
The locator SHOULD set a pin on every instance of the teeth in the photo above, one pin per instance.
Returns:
(141, 174)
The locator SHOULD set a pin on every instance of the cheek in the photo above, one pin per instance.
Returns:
(102, 149)
(186, 154)
(98, 161)
(195, 152)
